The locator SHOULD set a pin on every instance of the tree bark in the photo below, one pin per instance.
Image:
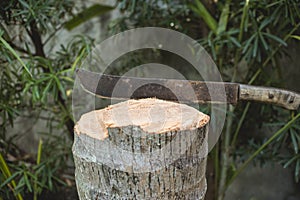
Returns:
(141, 149)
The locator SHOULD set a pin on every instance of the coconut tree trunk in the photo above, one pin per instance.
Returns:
(141, 149)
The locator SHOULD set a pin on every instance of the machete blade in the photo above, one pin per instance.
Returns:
(120, 87)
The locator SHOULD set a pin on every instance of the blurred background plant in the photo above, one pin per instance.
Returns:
(36, 79)
(247, 39)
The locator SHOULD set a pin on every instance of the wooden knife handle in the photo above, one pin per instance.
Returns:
(284, 98)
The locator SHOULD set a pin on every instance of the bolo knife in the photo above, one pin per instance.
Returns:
(187, 91)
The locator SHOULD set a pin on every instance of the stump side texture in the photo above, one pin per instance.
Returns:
(141, 149)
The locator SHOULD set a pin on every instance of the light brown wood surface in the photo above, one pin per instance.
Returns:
(141, 149)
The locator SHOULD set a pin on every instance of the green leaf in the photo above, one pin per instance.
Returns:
(6, 172)
(87, 14)
(60, 87)
(28, 184)
(263, 41)
(255, 47)
(290, 161)
(44, 95)
(264, 23)
(68, 79)
(50, 184)
(248, 42)
(59, 180)
(20, 185)
(27, 87)
(36, 93)
(9, 179)
(3, 166)
(39, 154)
(244, 21)
(78, 58)
(294, 140)
(4, 33)
(275, 38)
(8, 47)
(222, 25)
(205, 15)
(234, 41)
(297, 37)
(297, 170)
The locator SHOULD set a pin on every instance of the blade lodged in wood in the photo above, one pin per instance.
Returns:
(120, 87)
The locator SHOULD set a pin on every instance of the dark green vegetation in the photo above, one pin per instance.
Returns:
(246, 39)
(35, 80)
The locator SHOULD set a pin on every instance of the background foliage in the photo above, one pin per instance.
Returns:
(38, 80)
(246, 39)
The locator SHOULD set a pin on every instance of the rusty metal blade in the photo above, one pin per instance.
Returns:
(119, 87)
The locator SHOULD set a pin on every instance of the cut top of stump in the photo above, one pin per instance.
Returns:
(151, 115)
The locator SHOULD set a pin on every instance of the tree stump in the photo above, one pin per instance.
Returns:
(141, 149)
